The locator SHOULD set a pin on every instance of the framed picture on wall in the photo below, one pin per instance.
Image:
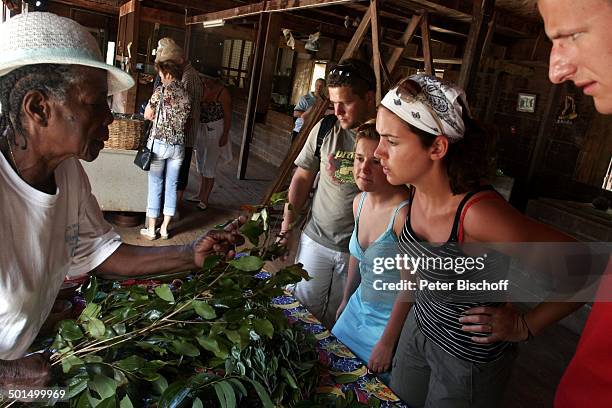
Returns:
(526, 102)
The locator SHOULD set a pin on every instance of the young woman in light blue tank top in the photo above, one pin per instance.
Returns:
(365, 323)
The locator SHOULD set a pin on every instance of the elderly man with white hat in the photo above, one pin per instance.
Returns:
(53, 99)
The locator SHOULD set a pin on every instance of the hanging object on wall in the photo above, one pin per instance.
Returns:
(568, 114)
(289, 38)
(313, 42)
(526, 102)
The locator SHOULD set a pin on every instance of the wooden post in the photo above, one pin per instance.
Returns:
(489, 37)
(270, 53)
(359, 35)
(127, 38)
(481, 15)
(426, 37)
(286, 168)
(187, 42)
(249, 120)
(376, 49)
(405, 40)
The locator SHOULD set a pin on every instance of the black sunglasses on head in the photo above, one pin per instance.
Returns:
(349, 70)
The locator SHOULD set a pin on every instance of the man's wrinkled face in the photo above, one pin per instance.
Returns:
(581, 33)
(81, 125)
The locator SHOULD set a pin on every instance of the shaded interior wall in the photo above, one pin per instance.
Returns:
(271, 140)
(575, 152)
(206, 49)
(105, 24)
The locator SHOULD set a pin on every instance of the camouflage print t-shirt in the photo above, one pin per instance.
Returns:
(331, 219)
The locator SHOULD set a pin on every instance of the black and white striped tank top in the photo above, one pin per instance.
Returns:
(437, 312)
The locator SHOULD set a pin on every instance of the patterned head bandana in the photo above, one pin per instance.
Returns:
(429, 104)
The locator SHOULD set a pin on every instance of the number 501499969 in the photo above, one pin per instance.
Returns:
(36, 394)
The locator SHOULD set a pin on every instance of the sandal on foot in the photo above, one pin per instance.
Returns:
(202, 206)
(193, 199)
(148, 235)
(164, 236)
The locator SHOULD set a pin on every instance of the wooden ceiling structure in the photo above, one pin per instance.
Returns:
(388, 26)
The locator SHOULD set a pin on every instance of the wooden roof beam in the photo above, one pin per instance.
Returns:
(262, 7)
(405, 18)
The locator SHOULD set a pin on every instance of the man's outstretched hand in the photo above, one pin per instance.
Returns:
(219, 242)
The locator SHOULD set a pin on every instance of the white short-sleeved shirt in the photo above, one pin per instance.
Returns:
(43, 238)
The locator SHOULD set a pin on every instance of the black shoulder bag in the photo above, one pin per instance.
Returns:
(145, 155)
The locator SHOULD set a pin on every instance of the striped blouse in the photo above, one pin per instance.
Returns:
(437, 312)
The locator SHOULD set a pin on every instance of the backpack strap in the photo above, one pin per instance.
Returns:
(327, 123)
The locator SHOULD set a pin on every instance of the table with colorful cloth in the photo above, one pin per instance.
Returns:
(339, 363)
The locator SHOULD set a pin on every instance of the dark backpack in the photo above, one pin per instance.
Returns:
(327, 123)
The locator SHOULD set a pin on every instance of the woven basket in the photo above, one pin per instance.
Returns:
(124, 134)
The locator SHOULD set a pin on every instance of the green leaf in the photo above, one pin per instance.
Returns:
(225, 394)
(93, 359)
(197, 403)
(174, 395)
(234, 336)
(208, 343)
(184, 348)
(69, 362)
(92, 289)
(126, 403)
(76, 386)
(104, 386)
(247, 263)
(278, 198)
(238, 385)
(164, 292)
(160, 385)
(264, 327)
(119, 328)
(210, 262)
(346, 378)
(95, 328)
(290, 380)
(132, 363)
(261, 392)
(90, 312)
(204, 309)
(252, 230)
(69, 330)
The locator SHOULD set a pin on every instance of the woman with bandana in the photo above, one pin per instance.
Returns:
(457, 346)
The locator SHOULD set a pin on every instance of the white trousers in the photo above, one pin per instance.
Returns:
(328, 269)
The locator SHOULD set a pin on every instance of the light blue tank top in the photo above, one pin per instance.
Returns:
(385, 246)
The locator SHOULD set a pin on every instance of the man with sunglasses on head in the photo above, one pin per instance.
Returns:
(582, 53)
(323, 246)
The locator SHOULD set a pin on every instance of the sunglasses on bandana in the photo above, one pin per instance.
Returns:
(411, 92)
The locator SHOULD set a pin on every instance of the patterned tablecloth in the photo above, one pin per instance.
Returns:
(339, 362)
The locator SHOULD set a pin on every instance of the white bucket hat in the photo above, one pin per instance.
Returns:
(46, 38)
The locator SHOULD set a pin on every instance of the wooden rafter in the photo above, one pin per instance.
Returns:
(427, 54)
(376, 48)
(405, 40)
(262, 7)
(483, 11)
(359, 35)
